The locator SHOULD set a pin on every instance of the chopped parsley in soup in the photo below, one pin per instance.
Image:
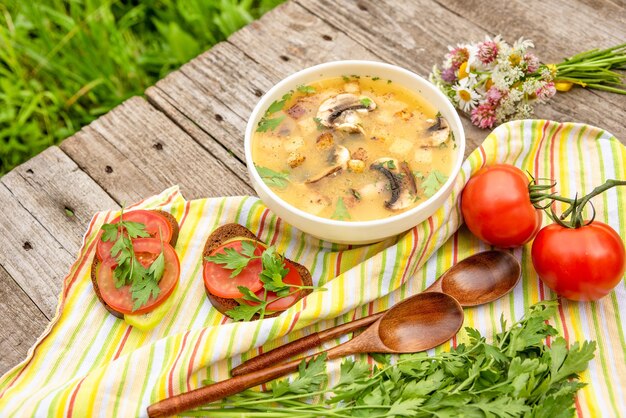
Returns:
(353, 148)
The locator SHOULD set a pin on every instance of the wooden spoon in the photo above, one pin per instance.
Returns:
(478, 279)
(418, 323)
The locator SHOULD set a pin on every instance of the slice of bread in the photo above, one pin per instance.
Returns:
(228, 232)
(94, 265)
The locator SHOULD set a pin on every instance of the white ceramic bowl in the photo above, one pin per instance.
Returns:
(361, 232)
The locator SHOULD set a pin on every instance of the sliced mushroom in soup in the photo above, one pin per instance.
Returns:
(364, 147)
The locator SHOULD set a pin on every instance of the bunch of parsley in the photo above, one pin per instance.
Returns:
(515, 375)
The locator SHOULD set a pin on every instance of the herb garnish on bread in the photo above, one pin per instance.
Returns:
(246, 279)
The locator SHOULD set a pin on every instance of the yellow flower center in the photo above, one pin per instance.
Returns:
(515, 59)
(465, 95)
(463, 71)
(488, 84)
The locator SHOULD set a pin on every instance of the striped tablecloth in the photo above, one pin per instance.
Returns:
(90, 363)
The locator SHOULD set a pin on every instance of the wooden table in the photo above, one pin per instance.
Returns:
(188, 129)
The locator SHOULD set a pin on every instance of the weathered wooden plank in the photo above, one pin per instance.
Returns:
(415, 34)
(210, 123)
(290, 38)
(20, 322)
(31, 254)
(146, 152)
(58, 194)
(559, 28)
(216, 92)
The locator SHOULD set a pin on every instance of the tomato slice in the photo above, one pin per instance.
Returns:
(217, 278)
(146, 251)
(293, 277)
(153, 222)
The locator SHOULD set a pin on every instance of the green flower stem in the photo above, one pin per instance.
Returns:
(607, 88)
(592, 69)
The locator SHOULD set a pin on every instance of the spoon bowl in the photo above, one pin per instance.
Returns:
(480, 278)
(420, 323)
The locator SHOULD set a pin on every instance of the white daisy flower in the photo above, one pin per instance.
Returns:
(523, 44)
(466, 95)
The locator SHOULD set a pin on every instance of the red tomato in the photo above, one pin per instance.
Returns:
(146, 251)
(582, 264)
(497, 209)
(217, 278)
(153, 222)
(293, 277)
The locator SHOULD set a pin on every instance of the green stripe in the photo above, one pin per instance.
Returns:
(602, 356)
(240, 208)
(381, 274)
(190, 283)
(120, 388)
(529, 158)
(8, 377)
(251, 220)
(145, 380)
(616, 149)
(508, 143)
(53, 404)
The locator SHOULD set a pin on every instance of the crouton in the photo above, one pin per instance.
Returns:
(324, 141)
(295, 159)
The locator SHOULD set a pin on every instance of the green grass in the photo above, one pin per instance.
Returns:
(64, 63)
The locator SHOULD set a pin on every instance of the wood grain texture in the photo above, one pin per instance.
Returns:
(21, 322)
(59, 195)
(415, 35)
(216, 92)
(146, 153)
(33, 257)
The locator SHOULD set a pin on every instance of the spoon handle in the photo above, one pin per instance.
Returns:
(280, 354)
(216, 391)
(219, 390)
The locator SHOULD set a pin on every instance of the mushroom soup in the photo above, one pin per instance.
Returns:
(353, 148)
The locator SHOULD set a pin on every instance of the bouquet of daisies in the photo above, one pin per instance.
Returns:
(494, 82)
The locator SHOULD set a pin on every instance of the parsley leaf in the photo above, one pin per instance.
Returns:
(341, 211)
(157, 268)
(274, 271)
(244, 312)
(390, 164)
(366, 101)
(248, 294)
(273, 178)
(433, 182)
(306, 89)
(311, 376)
(270, 124)
(320, 125)
(278, 105)
(231, 259)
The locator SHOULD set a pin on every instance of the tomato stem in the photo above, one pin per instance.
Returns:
(537, 194)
